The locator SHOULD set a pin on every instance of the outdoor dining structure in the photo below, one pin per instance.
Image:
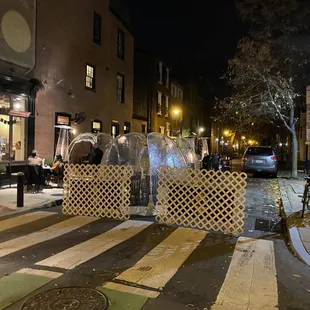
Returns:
(144, 153)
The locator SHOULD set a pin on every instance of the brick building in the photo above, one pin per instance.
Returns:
(72, 62)
(151, 94)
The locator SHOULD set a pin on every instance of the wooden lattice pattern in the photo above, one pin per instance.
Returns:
(214, 201)
(100, 191)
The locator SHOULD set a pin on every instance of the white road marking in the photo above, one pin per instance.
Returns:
(157, 267)
(45, 234)
(23, 219)
(83, 252)
(251, 281)
(39, 272)
(131, 290)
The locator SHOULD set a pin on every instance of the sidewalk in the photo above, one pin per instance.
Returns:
(50, 197)
(298, 229)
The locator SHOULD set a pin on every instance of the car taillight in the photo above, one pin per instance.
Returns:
(274, 158)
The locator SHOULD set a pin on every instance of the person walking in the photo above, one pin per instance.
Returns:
(206, 161)
(215, 162)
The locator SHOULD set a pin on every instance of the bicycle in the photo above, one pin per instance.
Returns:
(306, 197)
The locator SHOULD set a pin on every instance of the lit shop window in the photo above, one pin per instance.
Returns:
(96, 126)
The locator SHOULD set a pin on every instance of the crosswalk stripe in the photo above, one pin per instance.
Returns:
(23, 282)
(45, 234)
(131, 289)
(157, 267)
(39, 272)
(251, 281)
(23, 219)
(83, 252)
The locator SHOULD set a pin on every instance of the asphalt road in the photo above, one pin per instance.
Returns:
(183, 268)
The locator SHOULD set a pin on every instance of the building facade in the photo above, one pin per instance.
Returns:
(151, 94)
(74, 74)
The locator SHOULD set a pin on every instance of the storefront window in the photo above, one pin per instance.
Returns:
(12, 128)
(4, 137)
(18, 145)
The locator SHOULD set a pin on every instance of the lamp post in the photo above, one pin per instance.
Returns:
(177, 115)
(200, 130)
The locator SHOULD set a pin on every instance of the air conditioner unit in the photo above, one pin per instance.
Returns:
(17, 32)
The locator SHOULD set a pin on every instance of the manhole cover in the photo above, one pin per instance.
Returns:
(67, 298)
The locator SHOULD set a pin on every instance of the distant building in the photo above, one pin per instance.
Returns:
(62, 58)
(151, 94)
(178, 114)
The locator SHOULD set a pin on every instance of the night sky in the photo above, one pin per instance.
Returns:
(199, 35)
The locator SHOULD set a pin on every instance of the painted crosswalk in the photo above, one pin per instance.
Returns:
(43, 235)
(85, 251)
(251, 272)
(23, 219)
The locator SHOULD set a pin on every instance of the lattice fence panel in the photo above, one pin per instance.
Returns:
(214, 201)
(100, 191)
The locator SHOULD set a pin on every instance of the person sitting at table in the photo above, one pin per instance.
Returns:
(57, 168)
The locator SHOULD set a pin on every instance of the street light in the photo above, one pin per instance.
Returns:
(243, 138)
(176, 112)
(201, 129)
(226, 132)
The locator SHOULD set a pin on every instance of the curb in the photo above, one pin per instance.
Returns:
(292, 234)
(51, 204)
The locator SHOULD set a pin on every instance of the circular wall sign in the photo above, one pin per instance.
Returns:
(16, 31)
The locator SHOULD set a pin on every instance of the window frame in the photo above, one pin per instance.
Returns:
(122, 89)
(159, 105)
(166, 106)
(167, 77)
(97, 28)
(93, 88)
(121, 44)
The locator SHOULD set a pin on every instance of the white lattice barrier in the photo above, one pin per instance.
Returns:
(202, 199)
(100, 191)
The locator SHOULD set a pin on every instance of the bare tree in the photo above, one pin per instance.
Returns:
(269, 66)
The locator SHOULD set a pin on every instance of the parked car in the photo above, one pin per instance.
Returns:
(260, 159)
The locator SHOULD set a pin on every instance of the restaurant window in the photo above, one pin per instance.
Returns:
(13, 127)
(121, 44)
(120, 88)
(97, 28)
(96, 126)
(126, 127)
(90, 78)
(114, 129)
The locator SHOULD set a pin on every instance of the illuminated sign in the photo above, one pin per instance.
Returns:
(63, 120)
(19, 113)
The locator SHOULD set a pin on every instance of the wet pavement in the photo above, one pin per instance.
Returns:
(194, 281)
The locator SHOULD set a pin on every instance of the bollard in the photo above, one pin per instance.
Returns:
(20, 190)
